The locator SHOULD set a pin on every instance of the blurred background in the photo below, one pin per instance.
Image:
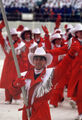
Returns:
(43, 10)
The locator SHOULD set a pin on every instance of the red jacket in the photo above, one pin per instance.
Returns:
(9, 70)
(41, 42)
(75, 83)
(27, 65)
(40, 105)
(58, 54)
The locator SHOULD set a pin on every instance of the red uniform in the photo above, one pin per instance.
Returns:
(40, 42)
(58, 54)
(27, 65)
(9, 73)
(75, 83)
(40, 107)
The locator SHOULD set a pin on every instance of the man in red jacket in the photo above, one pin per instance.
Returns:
(9, 73)
(75, 83)
(37, 37)
(38, 82)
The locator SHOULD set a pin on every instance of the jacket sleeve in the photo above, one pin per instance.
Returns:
(62, 67)
(2, 42)
(59, 51)
(2, 25)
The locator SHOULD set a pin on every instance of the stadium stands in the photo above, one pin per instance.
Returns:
(44, 10)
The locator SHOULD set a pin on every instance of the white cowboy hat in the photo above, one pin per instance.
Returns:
(13, 31)
(36, 31)
(55, 36)
(78, 27)
(40, 52)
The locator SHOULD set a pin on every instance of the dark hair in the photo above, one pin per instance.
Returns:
(69, 36)
(53, 41)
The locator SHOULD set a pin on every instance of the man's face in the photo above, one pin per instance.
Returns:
(57, 42)
(14, 37)
(39, 62)
(37, 36)
(27, 35)
(79, 34)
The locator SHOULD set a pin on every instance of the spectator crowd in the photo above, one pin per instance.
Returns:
(70, 10)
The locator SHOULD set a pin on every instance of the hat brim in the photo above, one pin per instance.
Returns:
(16, 33)
(48, 57)
(74, 31)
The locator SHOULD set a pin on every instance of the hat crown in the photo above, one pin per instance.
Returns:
(36, 31)
(55, 36)
(40, 51)
(13, 31)
(78, 27)
(26, 29)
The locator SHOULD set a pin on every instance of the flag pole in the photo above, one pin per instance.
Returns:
(14, 55)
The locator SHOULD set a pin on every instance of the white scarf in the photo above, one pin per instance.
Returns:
(58, 46)
(38, 71)
(27, 40)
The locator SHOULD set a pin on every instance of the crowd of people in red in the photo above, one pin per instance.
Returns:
(50, 63)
